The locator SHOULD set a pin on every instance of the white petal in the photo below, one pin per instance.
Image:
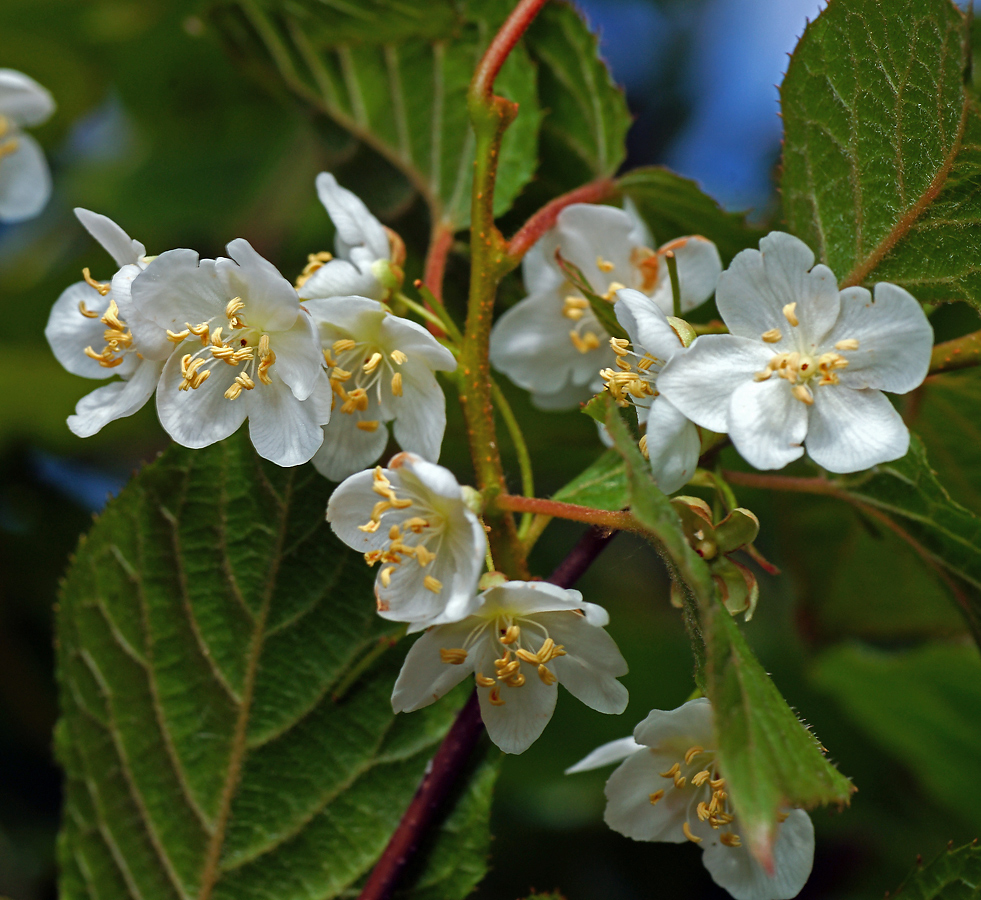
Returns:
(149, 339)
(177, 289)
(587, 234)
(646, 325)
(673, 445)
(283, 429)
(416, 342)
(758, 284)
(673, 731)
(348, 449)
(425, 677)
(640, 234)
(299, 358)
(271, 302)
(767, 423)
(700, 383)
(568, 397)
(355, 225)
(116, 242)
(69, 332)
(529, 598)
(201, 417)
(894, 337)
(339, 278)
(421, 412)
(699, 268)
(115, 401)
(628, 807)
(538, 273)
(520, 721)
(350, 506)
(23, 100)
(853, 430)
(735, 869)
(592, 663)
(605, 754)
(25, 180)
(346, 317)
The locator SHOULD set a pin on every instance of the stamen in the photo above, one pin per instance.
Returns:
(546, 675)
(584, 344)
(329, 360)
(620, 346)
(432, 584)
(102, 287)
(611, 292)
(657, 795)
(511, 635)
(372, 363)
(730, 839)
(847, 344)
(201, 330)
(702, 811)
(699, 778)
(385, 576)
(397, 384)
(340, 374)
(642, 443)
(177, 336)
(495, 696)
(314, 261)
(687, 830)
(574, 307)
(9, 146)
(803, 393)
(692, 752)
(483, 680)
(790, 315)
(367, 425)
(717, 784)
(453, 656)
(674, 770)
(679, 780)
(398, 357)
(88, 313)
(772, 336)
(604, 265)
(343, 345)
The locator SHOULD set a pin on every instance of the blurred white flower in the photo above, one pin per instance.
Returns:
(25, 181)
(551, 343)
(367, 256)
(803, 360)
(90, 315)
(668, 788)
(381, 370)
(672, 442)
(519, 640)
(413, 519)
(244, 349)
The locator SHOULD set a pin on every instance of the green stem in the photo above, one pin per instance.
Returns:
(959, 353)
(436, 305)
(669, 258)
(521, 449)
(426, 315)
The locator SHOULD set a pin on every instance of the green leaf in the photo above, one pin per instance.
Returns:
(601, 308)
(882, 149)
(954, 875)
(202, 627)
(922, 706)
(399, 87)
(601, 486)
(586, 119)
(674, 206)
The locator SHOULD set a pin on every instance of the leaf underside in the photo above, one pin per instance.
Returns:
(202, 627)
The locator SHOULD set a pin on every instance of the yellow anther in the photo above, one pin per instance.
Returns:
(674, 770)
(483, 680)
(574, 307)
(432, 584)
(527, 656)
(454, 656)
(340, 374)
(604, 265)
(730, 839)
(105, 358)
(232, 308)
(343, 345)
(847, 344)
(687, 830)
(790, 315)
(385, 577)
(642, 443)
(88, 313)
(233, 391)
(495, 696)
(215, 339)
(772, 336)
(691, 753)
(763, 376)
(372, 363)
(329, 360)
(102, 287)
(717, 783)
(620, 346)
(394, 533)
(584, 343)
(702, 811)
(679, 780)
(657, 795)
(699, 778)
(266, 361)
(424, 557)
(357, 401)
(416, 524)
(782, 817)
(177, 336)
(611, 292)
(645, 363)
(397, 384)
(314, 261)
(546, 675)
(511, 635)
(803, 393)
(367, 425)
(201, 330)
(514, 680)
(243, 379)
(397, 357)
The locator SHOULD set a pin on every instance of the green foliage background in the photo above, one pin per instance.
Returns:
(870, 649)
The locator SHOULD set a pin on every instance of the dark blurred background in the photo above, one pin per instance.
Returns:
(157, 129)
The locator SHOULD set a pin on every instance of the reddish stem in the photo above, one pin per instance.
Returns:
(612, 521)
(545, 218)
(439, 249)
(505, 39)
(784, 483)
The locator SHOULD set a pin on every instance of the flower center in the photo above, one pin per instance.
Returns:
(407, 540)
(357, 368)
(633, 381)
(245, 346)
(508, 633)
(117, 336)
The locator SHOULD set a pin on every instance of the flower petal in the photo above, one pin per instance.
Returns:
(344, 317)
(116, 242)
(894, 337)
(25, 180)
(673, 445)
(299, 358)
(284, 429)
(628, 807)
(758, 284)
(646, 325)
(177, 288)
(115, 401)
(853, 430)
(348, 449)
(420, 412)
(673, 731)
(415, 341)
(735, 869)
(149, 339)
(767, 423)
(425, 677)
(568, 397)
(538, 273)
(355, 225)
(350, 506)
(592, 663)
(339, 278)
(526, 598)
(23, 100)
(699, 268)
(700, 383)
(516, 724)
(69, 332)
(271, 302)
(605, 754)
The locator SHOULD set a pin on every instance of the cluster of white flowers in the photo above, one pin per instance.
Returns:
(229, 339)
(25, 182)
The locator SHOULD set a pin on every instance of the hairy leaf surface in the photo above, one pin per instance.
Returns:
(204, 624)
(954, 875)
(882, 148)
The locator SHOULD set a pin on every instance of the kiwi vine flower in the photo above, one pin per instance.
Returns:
(804, 364)
(241, 347)
(415, 521)
(519, 640)
(551, 343)
(381, 369)
(25, 181)
(90, 331)
(669, 788)
(367, 256)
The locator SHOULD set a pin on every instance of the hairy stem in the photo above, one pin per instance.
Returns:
(614, 521)
(500, 48)
(439, 249)
(960, 353)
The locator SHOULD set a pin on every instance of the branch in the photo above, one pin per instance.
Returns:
(500, 48)
(439, 248)
(611, 521)
(959, 353)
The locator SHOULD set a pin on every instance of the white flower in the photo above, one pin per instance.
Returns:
(551, 343)
(366, 251)
(25, 182)
(803, 360)
(520, 640)
(244, 349)
(91, 332)
(672, 442)
(669, 789)
(413, 519)
(381, 369)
